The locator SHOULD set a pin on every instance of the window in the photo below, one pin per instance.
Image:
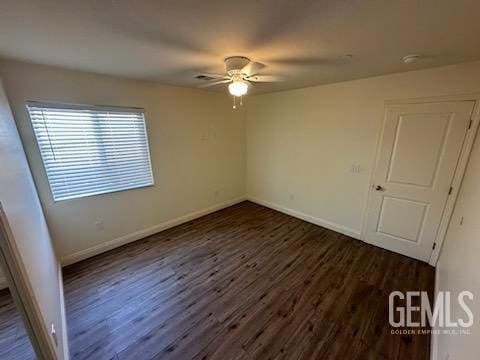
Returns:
(91, 150)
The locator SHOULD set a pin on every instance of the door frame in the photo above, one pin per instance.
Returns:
(22, 292)
(459, 171)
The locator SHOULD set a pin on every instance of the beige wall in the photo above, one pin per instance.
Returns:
(22, 207)
(197, 146)
(301, 143)
(458, 267)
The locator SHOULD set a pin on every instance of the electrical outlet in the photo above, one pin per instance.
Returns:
(99, 225)
(292, 197)
(216, 192)
(53, 331)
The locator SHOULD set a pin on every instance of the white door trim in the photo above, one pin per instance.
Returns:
(22, 293)
(459, 172)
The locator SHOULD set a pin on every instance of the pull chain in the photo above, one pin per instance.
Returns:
(235, 101)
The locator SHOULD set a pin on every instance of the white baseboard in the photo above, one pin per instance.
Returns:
(3, 283)
(140, 234)
(137, 235)
(356, 234)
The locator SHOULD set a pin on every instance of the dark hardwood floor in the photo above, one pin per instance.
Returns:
(246, 282)
(14, 341)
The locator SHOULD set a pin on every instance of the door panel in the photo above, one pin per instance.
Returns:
(428, 134)
(412, 215)
(417, 157)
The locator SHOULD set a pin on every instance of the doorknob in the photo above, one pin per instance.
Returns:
(380, 188)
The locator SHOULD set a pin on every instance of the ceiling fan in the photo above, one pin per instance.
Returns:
(241, 73)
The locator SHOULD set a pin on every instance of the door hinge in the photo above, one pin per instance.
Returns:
(470, 124)
(450, 191)
(434, 246)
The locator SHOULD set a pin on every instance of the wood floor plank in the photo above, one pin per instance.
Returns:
(14, 341)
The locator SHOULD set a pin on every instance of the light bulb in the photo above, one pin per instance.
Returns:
(238, 88)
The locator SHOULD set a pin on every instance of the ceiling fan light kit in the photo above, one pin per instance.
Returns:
(238, 88)
(241, 73)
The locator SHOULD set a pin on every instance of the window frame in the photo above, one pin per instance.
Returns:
(104, 108)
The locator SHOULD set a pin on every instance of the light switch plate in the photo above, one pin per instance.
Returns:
(355, 168)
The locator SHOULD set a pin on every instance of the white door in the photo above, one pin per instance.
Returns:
(417, 156)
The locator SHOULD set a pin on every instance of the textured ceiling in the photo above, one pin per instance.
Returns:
(303, 40)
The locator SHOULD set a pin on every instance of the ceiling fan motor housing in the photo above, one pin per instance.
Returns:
(235, 64)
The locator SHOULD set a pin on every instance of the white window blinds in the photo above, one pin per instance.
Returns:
(91, 150)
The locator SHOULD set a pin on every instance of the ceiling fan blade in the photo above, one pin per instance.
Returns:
(316, 61)
(215, 82)
(214, 76)
(252, 68)
(265, 78)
